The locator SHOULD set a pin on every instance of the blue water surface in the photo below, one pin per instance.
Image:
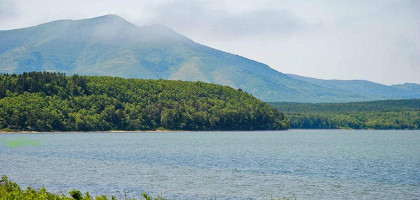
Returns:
(306, 164)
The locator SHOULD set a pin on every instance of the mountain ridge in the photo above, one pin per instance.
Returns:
(111, 46)
(364, 87)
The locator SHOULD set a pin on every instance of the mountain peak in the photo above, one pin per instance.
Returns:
(109, 45)
(111, 23)
(109, 17)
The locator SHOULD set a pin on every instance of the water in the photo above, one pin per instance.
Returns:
(306, 164)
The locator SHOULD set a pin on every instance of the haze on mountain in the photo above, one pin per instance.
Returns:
(111, 46)
(367, 88)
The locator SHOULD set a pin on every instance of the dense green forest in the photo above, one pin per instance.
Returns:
(386, 114)
(43, 101)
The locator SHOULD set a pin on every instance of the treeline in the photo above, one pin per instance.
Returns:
(375, 106)
(385, 114)
(43, 101)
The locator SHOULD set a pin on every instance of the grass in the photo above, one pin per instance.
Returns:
(12, 191)
(8, 130)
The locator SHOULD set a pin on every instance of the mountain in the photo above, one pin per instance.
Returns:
(411, 88)
(367, 88)
(111, 46)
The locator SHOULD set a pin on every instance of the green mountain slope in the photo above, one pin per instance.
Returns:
(367, 88)
(47, 101)
(111, 46)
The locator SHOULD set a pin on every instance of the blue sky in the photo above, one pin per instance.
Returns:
(372, 40)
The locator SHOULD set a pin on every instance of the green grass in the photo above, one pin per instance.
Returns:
(12, 191)
(8, 130)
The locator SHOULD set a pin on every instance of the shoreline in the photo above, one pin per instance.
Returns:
(117, 131)
(122, 131)
(157, 131)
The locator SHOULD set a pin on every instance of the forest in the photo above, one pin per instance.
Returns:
(45, 101)
(384, 114)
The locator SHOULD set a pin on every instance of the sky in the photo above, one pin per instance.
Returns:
(375, 40)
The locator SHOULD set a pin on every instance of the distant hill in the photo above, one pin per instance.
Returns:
(43, 101)
(384, 114)
(111, 46)
(367, 88)
(370, 106)
(411, 88)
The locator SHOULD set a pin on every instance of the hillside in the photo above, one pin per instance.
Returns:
(411, 88)
(42, 101)
(385, 114)
(111, 46)
(367, 88)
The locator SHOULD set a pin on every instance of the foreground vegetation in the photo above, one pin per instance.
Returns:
(42, 101)
(386, 114)
(10, 190)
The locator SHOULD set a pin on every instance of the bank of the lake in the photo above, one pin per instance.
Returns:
(307, 164)
(58, 132)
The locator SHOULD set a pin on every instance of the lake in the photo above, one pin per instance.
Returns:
(306, 164)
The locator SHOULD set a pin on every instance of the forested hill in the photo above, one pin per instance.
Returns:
(368, 106)
(385, 114)
(43, 101)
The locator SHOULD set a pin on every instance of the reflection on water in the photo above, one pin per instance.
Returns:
(13, 143)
